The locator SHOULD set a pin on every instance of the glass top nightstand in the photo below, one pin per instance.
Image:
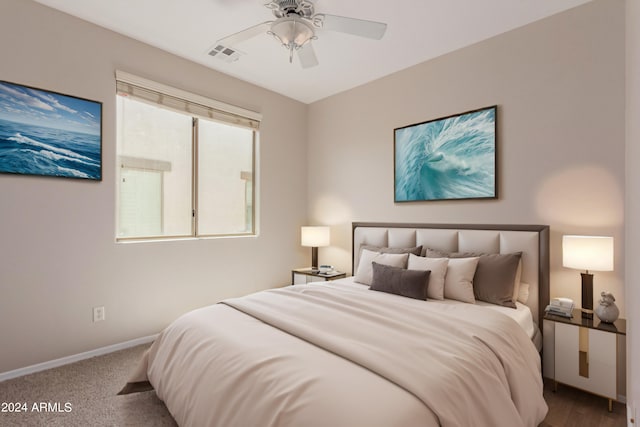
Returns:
(587, 354)
(618, 327)
(308, 275)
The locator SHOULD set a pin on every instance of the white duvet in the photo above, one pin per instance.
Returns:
(337, 355)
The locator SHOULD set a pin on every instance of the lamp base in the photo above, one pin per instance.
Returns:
(587, 295)
(314, 258)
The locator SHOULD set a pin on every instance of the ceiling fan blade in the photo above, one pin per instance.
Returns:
(357, 27)
(245, 34)
(307, 56)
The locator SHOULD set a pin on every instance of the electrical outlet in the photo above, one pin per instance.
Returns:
(98, 314)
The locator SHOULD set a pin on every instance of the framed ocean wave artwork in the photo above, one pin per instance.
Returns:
(49, 134)
(450, 158)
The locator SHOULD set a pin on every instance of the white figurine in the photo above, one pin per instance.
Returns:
(607, 311)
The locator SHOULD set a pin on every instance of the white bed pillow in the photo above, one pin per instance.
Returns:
(497, 278)
(458, 283)
(364, 274)
(438, 268)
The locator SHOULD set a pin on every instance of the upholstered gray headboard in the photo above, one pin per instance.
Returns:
(531, 240)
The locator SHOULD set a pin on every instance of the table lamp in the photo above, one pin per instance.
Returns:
(587, 253)
(315, 236)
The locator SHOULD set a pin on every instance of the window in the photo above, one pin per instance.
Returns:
(186, 164)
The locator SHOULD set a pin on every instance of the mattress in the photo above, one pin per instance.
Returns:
(521, 314)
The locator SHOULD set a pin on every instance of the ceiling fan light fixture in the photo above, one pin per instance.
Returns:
(292, 31)
(295, 25)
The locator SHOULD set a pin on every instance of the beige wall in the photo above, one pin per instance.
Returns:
(633, 205)
(559, 85)
(58, 258)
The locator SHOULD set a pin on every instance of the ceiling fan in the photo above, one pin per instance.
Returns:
(294, 27)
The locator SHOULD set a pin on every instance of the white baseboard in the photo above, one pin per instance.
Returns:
(75, 358)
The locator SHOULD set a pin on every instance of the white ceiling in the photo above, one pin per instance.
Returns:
(417, 30)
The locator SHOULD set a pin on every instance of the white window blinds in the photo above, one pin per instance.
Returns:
(183, 101)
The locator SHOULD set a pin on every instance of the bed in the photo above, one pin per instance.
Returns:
(337, 353)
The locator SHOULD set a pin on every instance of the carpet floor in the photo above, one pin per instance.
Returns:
(84, 394)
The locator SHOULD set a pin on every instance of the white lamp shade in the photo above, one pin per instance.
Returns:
(292, 30)
(315, 236)
(587, 252)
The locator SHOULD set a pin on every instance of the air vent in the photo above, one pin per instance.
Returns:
(225, 54)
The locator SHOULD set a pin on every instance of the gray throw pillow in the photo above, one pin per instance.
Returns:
(395, 280)
(417, 250)
(495, 275)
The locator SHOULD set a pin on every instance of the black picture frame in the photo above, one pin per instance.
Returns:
(448, 158)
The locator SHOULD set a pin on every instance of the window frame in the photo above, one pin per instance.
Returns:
(219, 112)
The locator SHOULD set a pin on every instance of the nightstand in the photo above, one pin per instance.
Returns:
(585, 353)
(307, 275)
